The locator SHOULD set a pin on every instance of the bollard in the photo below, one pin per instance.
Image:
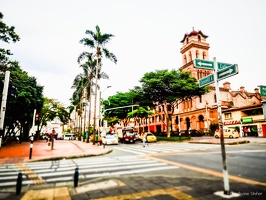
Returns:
(76, 177)
(0, 141)
(31, 145)
(19, 183)
(104, 145)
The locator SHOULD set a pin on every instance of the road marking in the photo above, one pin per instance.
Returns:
(30, 174)
(206, 171)
(177, 194)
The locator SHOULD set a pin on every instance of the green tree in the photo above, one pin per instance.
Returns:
(139, 114)
(49, 111)
(170, 88)
(97, 41)
(7, 34)
(19, 110)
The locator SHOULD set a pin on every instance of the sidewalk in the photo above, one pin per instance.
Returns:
(181, 185)
(18, 153)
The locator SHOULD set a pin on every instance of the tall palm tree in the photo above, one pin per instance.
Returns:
(89, 71)
(83, 82)
(97, 41)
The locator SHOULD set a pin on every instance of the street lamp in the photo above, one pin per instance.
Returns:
(207, 116)
(100, 114)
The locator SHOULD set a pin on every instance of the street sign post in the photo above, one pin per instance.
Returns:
(221, 71)
(203, 64)
(227, 72)
(207, 80)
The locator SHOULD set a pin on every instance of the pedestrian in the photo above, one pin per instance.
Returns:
(144, 140)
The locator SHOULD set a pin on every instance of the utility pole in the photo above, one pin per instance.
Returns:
(4, 100)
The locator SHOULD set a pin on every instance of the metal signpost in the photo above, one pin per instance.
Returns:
(221, 71)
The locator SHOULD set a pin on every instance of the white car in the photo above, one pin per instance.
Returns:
(110, 139)
(228, 133)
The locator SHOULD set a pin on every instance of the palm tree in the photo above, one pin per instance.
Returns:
(97, 41)
(83, 82)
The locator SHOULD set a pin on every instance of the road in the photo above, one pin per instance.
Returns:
(245, 162)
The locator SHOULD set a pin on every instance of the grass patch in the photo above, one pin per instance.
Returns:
(172, 139)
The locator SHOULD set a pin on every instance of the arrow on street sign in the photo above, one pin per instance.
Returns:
(206, 80)
(222, 74)
(227, 72)
(221, 65)
(204, 64)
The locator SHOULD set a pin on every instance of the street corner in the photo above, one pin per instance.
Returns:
(169, 193)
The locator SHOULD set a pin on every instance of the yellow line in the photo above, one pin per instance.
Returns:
(151, 193)
(206, 171)
(30, 174)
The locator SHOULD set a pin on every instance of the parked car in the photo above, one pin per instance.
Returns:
(110, 139)
(150, 137)
(193, 133)
(128, 137)
(228, 133)
(69, 136)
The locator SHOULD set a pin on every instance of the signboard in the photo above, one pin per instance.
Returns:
(247, 120)
(262, 90)
(203, 64)
(206, 80)
(227, 72)
(221, 65)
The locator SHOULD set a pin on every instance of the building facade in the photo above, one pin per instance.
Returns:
(201, 112)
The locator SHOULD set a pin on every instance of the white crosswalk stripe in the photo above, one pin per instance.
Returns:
(164, 148)
(88, 168)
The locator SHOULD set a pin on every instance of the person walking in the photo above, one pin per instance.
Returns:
(144, 140)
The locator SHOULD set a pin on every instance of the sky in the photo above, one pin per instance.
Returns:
(147, 35)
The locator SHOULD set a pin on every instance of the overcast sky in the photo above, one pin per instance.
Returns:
(147, 37)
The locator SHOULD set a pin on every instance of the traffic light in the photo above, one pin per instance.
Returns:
(12, 91)
(37, 120)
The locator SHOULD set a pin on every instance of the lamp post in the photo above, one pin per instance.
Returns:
(100, 114)
(207, 116)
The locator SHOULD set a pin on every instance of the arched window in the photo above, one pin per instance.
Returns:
(204, 55)
(189, 57)
(187, 40)
(199, 38)
(185, 59)
(197, 54)
(201, 118)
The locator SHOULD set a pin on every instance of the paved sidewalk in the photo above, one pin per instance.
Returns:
(191, 186)
(19, 153)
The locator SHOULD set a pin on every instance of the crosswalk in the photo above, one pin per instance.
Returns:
(88, 168)
(162, 147)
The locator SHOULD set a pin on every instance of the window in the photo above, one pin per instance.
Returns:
(227, 115)
(204, 55)
(189, 56)
(199, 38)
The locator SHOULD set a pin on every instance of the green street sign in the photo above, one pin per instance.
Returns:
(221, 65)
(262, 90)
(206, 80)
(227, 72)
(203, 64)
(247, 120)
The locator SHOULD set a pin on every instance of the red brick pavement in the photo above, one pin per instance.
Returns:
(17, 153)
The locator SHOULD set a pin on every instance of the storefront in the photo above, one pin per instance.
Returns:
(236, 124)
